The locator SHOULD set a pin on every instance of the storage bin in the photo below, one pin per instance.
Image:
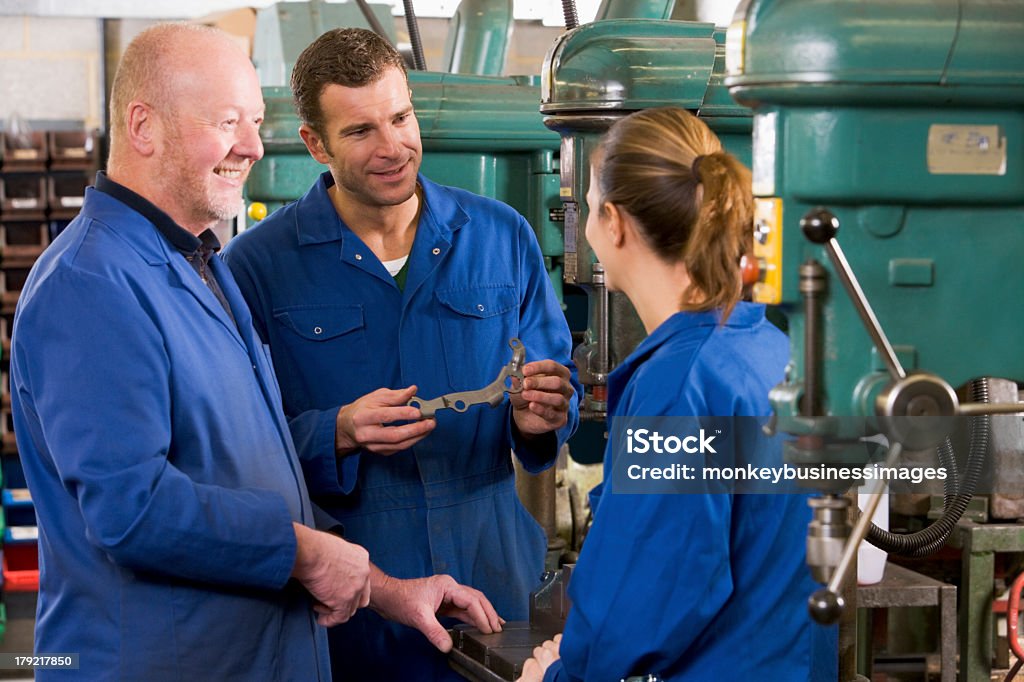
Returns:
(21, 567)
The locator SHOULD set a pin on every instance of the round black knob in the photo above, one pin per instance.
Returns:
(825, 606)
(819, 225)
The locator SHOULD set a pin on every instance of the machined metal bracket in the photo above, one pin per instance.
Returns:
(491, 394)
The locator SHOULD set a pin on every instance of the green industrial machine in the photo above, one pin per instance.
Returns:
(888, 161)
(917, 152)
(593, 76)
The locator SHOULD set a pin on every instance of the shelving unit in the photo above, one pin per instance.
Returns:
(43, 177)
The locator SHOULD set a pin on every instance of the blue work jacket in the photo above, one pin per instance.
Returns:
(339, 327)
(696, 586)
(160, 464)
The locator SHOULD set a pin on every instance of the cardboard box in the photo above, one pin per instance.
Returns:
(240, 23)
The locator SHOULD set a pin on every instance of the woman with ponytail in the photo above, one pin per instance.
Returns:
(708, 586)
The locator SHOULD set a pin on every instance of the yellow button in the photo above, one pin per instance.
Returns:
(257, 210)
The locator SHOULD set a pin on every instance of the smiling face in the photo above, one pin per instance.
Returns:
(211, 138)
(371, 141)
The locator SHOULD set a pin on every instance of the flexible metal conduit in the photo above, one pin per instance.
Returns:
(931, 539)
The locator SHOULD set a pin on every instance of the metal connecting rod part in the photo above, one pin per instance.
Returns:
(491, 394)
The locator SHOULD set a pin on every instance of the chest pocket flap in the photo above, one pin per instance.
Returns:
(323, 322)
(481, 301)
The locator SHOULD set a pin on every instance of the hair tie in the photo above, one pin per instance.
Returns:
(695, 166)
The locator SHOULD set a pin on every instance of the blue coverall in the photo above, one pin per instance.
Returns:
(160, 464)
(339, 327)
(696, 586)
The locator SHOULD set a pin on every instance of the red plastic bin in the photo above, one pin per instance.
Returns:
(21, 567)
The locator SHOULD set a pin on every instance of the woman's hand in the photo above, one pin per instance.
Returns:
(543, 656)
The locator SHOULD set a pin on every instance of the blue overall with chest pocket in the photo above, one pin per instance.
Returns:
(339, 327)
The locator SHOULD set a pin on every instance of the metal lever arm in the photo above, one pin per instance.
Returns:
(826, 604)
(491, 394)
(820, 226)
(977, 409)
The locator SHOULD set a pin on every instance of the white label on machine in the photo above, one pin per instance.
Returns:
(763, 153)
(966, 150)
(72, 202)
(24, 203)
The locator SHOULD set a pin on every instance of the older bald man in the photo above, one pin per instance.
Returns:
(176, 536)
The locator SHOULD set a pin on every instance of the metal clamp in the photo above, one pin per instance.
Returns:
(491, 394)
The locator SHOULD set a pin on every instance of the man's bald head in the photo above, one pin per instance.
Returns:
(185, 117)
(151, 68)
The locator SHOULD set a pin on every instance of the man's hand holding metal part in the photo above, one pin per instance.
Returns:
(366, 423)
(543, 404)
(540, 393)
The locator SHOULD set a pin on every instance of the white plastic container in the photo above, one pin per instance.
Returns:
(870, 559)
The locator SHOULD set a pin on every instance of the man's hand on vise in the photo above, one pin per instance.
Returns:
(335, 572)
(543, 656)
(364, 423)
(543, 404)
(418, 602)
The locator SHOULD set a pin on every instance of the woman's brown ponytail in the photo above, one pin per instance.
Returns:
(721, 234)
(692, 200)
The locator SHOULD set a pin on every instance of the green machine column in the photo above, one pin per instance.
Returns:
(284, 29)
(591, 77)
(484, 134)
(478, 37)
(904, 120)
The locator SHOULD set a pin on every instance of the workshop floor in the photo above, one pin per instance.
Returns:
(21, 619)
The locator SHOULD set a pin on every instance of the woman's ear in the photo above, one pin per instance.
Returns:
(622, 226)
(615, 224)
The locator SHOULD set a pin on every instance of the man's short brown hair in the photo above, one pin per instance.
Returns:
(351, 57)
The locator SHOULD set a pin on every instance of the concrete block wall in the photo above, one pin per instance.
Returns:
(51, 69)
